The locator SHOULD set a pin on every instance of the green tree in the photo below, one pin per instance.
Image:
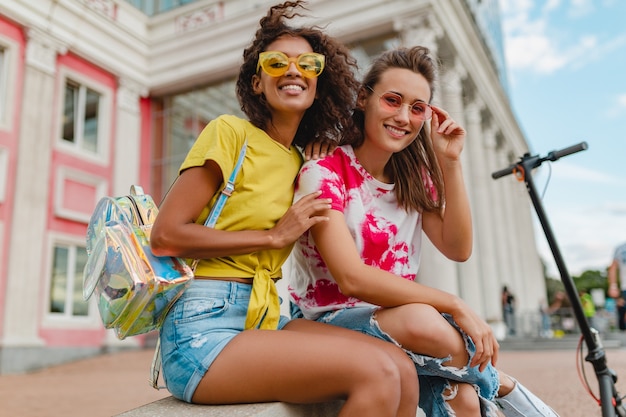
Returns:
(591, 279)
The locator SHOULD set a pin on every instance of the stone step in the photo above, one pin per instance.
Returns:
(169, 406)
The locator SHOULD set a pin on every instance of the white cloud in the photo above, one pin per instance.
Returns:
(567, 171)
(586, 237)
(580, 8)
(532, 44)
(617, 107)
(551, 5)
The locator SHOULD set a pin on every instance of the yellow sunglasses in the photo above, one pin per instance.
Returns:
(275, 63)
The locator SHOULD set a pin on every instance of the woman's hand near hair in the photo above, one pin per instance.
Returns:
(450, 231)
(447, 135)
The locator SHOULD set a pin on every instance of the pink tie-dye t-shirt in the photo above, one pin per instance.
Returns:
(386, 236)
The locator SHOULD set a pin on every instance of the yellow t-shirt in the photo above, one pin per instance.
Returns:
(263, 193)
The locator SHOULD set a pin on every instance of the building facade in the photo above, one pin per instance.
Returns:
(97, 95)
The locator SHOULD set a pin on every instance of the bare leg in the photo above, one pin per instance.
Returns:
(295, 366)
(506, 384)
(422, 329)
(408, 373)
(465, 402)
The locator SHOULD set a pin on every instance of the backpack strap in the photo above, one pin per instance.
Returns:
(216, 210)
(228, 189)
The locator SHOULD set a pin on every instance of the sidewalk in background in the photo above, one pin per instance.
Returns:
(111, 384)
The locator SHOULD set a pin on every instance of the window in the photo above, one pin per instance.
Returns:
(66, 283)
(180, 122)
(81, 111)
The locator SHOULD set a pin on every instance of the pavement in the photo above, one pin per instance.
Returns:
(109, 384)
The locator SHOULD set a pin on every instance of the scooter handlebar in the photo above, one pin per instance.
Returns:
(551, 156)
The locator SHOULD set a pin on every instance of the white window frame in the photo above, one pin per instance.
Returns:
(67, 320)
(8, 72)
(101, 156)
(4, 173)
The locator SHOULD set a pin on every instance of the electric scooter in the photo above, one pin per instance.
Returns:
(610, 401)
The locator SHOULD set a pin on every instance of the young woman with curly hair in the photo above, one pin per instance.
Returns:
(224, 340)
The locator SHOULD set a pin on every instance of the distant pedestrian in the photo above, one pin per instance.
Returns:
(617, 283)
(589, 308)
(508, 310)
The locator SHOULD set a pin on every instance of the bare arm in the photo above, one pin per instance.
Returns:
(379, 287)
(175, 232)
(451, 233)
(614, 291)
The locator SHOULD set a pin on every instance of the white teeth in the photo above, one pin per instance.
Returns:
(292, 87)
(396, 130)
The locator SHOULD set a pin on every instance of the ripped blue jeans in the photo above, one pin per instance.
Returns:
(434, 378)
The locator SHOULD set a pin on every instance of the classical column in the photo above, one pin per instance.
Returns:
(482, 209)
(513, 243)
(128, 153)
(532, 268)
(468, 272)
(496, 193)
(26, 257)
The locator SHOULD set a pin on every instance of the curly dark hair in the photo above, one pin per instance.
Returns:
(336, 86)
(416, 165)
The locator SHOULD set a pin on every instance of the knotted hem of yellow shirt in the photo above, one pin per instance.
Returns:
(264, 305)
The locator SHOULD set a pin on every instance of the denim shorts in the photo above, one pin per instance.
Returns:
(433, 376)
(209, 314)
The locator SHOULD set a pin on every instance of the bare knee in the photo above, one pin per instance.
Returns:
(408, 376)
(424, 330)
(463, 399)
(379, 381)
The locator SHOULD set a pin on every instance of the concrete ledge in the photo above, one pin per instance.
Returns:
(169, 406)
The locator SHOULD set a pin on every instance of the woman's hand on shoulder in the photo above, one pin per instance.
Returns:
(317, 150)
(300, 217)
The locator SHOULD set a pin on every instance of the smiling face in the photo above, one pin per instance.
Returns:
(388, 130)
(290, 93)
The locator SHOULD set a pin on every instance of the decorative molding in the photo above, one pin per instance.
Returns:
(420, 30)
(61, 195)
(107, 8)
(128, 94)
(473, 111)
(42, 50)
(199, 19)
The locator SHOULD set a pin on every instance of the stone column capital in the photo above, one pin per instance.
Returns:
(420, 30)
(129, 92)
(42, 50)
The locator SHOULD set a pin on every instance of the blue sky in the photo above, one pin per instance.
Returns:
(567, 82)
